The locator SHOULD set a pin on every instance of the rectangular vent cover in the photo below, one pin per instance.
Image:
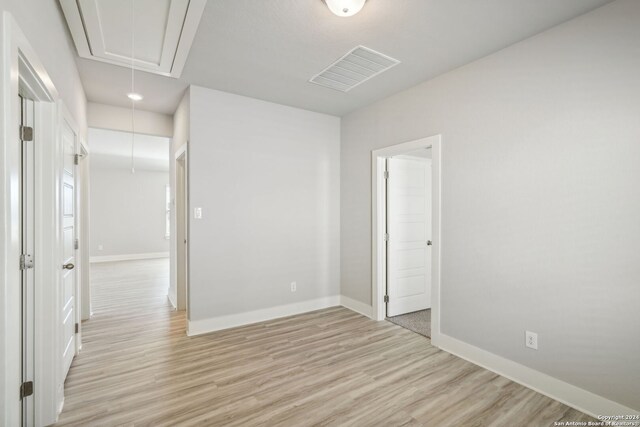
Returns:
(357, 66)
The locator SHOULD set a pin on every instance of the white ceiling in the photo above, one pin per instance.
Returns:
(270, 49)
(112, 149)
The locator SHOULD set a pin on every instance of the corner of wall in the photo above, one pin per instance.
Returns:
(357, 306)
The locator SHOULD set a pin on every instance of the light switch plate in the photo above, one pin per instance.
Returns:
(197, 213)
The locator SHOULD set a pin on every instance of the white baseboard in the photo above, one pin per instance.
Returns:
(199, 327)
(128, 257)
(172, 302)
(563, 392)
(357, 306)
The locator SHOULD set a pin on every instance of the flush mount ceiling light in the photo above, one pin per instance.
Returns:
(134, 96)
(344, 8)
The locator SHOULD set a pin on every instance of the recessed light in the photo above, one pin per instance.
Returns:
(134, 96)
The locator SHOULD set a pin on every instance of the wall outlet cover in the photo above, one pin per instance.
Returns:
(531, 340)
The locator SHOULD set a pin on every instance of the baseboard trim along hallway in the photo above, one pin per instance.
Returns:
(199, 327)
(129, 257)
(204, 326)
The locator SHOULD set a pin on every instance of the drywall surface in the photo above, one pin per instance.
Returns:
(180, 139)
(540, 198)
(128, 211)
(267, 179)
(102, 116)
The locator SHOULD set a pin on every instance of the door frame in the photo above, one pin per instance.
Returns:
(84, 297)
(378, 216)
(28, 230)
(22, 70)
(182, 292)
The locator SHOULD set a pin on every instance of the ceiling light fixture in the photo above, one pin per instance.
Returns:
(134, 96)
(344, 8)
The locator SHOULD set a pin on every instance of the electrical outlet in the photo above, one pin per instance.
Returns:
(293, 286)
(100, 247)
(531, 340)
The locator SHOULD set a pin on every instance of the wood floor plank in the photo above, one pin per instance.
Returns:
(330, 367)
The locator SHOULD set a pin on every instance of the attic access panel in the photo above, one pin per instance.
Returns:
(164, 31)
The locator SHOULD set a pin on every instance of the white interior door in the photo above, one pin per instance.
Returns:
(69, 276)
(409, 235)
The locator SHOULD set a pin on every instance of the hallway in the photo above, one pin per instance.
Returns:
(131, 323)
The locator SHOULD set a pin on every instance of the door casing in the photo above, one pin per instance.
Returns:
(182, 229)
(28, 201)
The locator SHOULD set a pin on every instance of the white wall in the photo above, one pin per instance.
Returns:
(103, 116)
(128, 212)
(267, 179)
(540, 198)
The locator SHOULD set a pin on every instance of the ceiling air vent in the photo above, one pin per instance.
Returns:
(357, 66)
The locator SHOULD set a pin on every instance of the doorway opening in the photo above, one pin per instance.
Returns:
(130, 227)
(182, 224)
(408, 239)
(406, 235)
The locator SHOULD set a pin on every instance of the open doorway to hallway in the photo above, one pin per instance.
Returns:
(181, 230)
(405, 192)
(130, 206)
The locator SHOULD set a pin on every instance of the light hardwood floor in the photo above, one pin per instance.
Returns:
(329, 367)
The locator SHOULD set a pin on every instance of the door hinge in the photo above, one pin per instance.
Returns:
(77, 328)
(76, 244)
(386, 237)
(26, 389)
(26, 261)
(386, 174)
(386, 298)
(26, 133)
(76, 159)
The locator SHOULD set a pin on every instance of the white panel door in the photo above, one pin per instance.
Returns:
(68, 206)
(409, 235)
